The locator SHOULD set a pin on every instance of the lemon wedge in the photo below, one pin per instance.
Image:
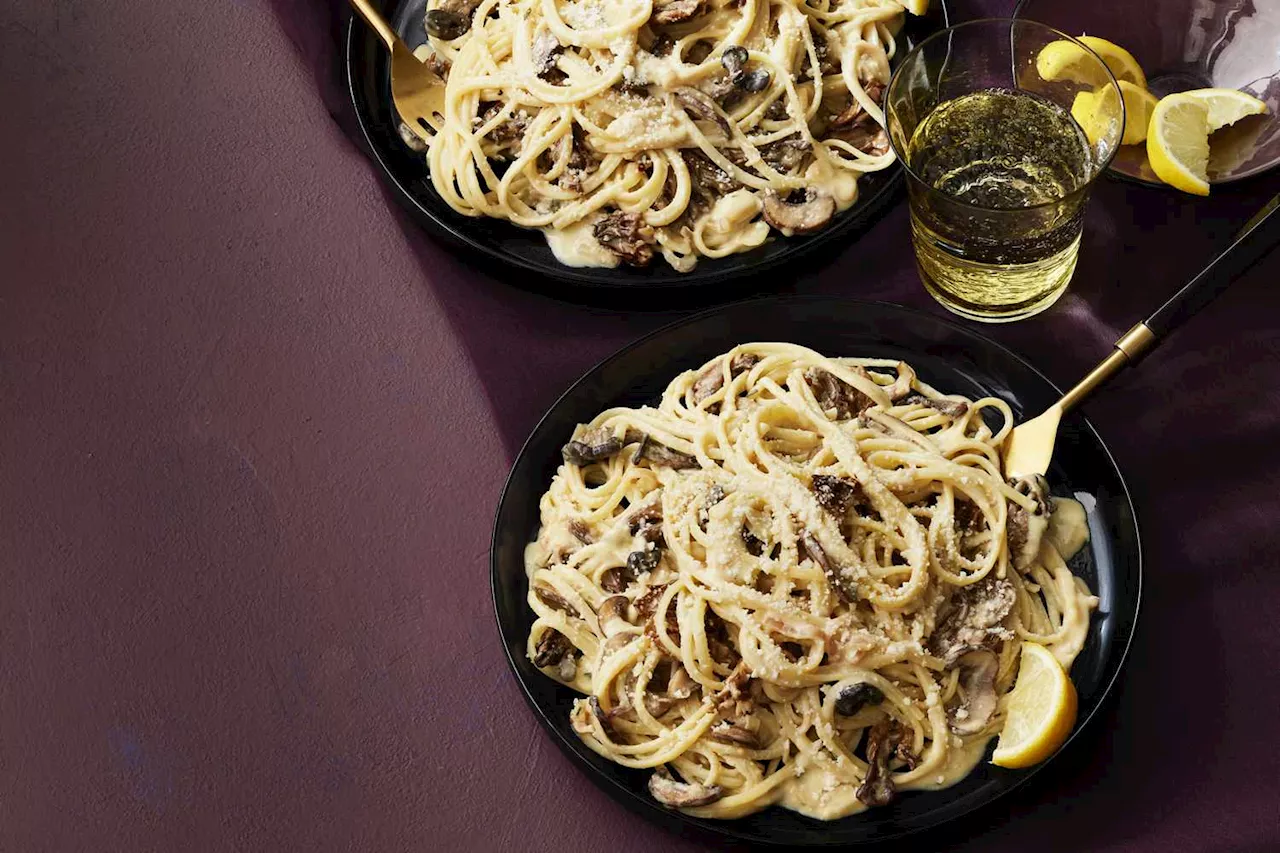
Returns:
(1064, 60)
(1178, 143)
(1041, 710)
(1139, 104)
(1097, 112)
(1225, 106)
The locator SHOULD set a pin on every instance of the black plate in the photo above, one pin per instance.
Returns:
(947, 356)
(369, 79)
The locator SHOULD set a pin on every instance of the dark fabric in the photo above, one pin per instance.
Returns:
(253, 427)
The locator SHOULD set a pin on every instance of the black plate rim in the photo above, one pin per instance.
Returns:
(855, 221)
(658, 815)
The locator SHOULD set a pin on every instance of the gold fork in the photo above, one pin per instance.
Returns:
(417, 91)
(1029, 448)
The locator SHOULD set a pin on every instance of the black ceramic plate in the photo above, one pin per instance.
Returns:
(369, 78)
(947, 356)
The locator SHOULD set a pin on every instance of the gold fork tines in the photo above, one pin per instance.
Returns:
(1029, 448)
(417, 91)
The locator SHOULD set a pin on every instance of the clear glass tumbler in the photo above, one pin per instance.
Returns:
(1002, 127)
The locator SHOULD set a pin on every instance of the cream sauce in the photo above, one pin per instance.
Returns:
(819, 793)
(1068, 527)
(577, 246)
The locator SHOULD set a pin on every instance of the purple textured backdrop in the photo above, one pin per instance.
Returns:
(253, 425)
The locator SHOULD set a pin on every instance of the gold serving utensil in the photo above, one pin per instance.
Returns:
(1029, 448)
(417, 91)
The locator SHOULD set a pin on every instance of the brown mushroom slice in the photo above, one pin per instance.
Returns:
(627, 236)
(700, 106)
(581, 531)
(854, 697)
(676, 11)
(591, 448)
(835, 577)
(620, 639)
(832, 392)
(729, 731)
(837, 494)
(665, 457)
(978, 670)
(551, 648)
(452, 20)
(681, 795)
(799, 212)
(877, 788)
(1025, 530)
(612, 614)
(554, 600)
(971, 619)
(951, 408)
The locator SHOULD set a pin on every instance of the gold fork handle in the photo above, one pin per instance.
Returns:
(374, 19)
(1131, 345)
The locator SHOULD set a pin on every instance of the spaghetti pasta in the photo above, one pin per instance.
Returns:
(797, 580)
(624, 129)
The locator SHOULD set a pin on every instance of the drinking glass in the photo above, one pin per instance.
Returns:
(998, 169)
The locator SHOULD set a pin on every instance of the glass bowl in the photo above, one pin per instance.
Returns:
(1190, 44)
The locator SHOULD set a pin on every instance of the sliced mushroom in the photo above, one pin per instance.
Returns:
(639, 562)
(1026, 529)
(854, 697)
(754, 544)
(835, 577)
(756, 80)
(676, 11)
(615, 579)
(554, 600)
(663, 456)
(452, 20)
(951, 408)
(978, 681)
(551, 648)
(699, 105)
(617, 641)
(786, 154)
(647, 521)
(647, 602)
(592, 448)
(832, 392)
(800, 212)
(734, 59)
(681, 795)
(627, 236)
(877, 788)
(837, 494)
(729, 731)
(599, 713)
(711, 380)
(581, 531)
(971, 619)
(613, 615)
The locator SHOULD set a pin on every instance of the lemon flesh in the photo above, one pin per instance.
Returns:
(1178, 143)
(1041, 710)
(1225, 106)
(1066, 60)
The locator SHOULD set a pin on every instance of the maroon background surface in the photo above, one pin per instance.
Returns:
(253, 426)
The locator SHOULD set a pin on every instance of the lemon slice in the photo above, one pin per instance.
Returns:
(1139, 104)
(1178, 143)
(1041, 710)
(1064, 60)
(1225, 106)
(1097, 112)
